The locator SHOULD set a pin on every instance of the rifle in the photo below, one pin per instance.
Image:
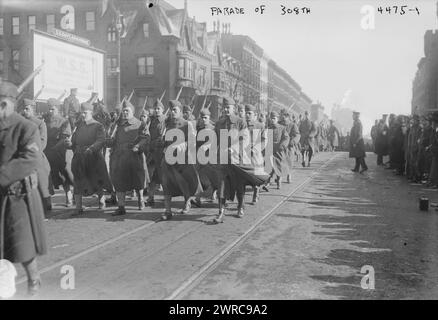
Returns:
(30, 78)
(179, 93)
(38, 93)
(162, 96)
(61, 96)
(145, 101)
(130, 96)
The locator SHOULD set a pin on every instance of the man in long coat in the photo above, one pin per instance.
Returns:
(88, 163)
(413, 148)
(128, 168)
(234, 176)
(308, 132)
(294, 139)
(357, 146)
(280, 142)
(424, 154)
(179, 179)
(381, 147)
(22, 234)
(333, 136)
(28, 112)
(58, 129)
(154, 157)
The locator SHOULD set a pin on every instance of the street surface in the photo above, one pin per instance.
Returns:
(308, 240)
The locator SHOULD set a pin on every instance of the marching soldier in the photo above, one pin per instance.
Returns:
(88, 164)
(308, 131)
(187, 113)
(44, 168)
(58, 129)
(294, 138)
(71, 107)
(22, 234)
(424, 155)
(256, 131)
(333, 136)
(208, 173)
(280, 142)
(157, 128)
(179, 179)
(357, 146)
(127, 162)
(231, 179)
(241, 111)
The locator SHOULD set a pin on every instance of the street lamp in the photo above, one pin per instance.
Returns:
(119, 27)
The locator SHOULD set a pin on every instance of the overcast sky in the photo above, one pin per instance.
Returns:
(328, 53)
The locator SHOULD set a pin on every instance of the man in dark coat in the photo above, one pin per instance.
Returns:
(381, 143)
(308, 132)
(333, 136)
(397, 145)
(357, 146)
(179, 179)
(433, 147)
(154, 157)
(22, 234)
(294, 139)
(71, 107)
(128, 168)
(424, 154)
(391, 136)
(28, 112)
(280, 142)
(88, 163)
(58, 129)
(413, 148)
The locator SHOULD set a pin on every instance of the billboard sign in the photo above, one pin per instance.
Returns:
(67, 65)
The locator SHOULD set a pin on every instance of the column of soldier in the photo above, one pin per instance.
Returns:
(85, 150)
(411, 142)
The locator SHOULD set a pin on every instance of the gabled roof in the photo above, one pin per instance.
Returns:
(166, 25)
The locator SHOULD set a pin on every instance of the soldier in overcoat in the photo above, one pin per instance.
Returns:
(58, 129)
(357, 146)
(22, 233)
(88, 163)
(28, 111)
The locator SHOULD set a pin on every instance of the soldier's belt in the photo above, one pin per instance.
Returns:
(22, 187)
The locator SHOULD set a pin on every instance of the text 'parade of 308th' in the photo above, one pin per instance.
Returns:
(284, 10)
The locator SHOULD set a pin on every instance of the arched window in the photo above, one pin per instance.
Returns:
(112, 34)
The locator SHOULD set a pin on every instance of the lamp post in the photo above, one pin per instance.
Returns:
(119, 27)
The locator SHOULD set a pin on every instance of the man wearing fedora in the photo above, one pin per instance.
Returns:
(357, 146)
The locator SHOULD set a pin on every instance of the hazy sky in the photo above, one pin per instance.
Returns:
(328, 53)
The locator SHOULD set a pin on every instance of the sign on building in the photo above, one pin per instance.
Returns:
(67, 65)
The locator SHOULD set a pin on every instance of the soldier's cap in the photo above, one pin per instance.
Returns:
(228, 102)
(174, 103)
(306, 113)
(204, 112)
(187, 108)
(144, 112)
(385, 115)
(73, 89)
(250, 108)
(158, 103)
(356, 112)
(240, 107)
(8, 89)
(127, 104)
(86, 106)
(29, 102)
(274, 114)
(52, 102)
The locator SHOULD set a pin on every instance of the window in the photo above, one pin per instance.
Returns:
(1, 26)
(111, 66)
(203, 72)
(194, 68)
(50, 21)
(112, 34)
(15, 25)
(31, 22)
(2, 58)
(15, 59)
(188, 73)
(216, 79)
(90, 21)
(181, 67)
(145, 66)
(146, 30)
